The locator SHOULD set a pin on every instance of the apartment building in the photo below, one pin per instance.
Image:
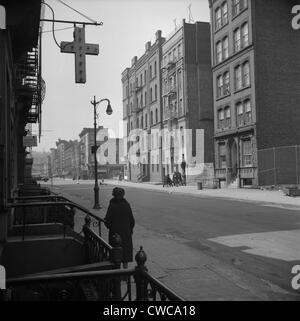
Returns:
(256, 78)
(142, 112)
(187, 99)
(166, 92)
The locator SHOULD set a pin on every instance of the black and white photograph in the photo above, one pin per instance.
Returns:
(149, 151)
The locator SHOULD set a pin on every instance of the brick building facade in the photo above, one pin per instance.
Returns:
(165, 92)
(256, 77)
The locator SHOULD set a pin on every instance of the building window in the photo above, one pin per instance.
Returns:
(155, 92)
(152, 159)
(226, 83)
(142, 122)
(151, 117)
(155, 68)
(179, 50)
(239, 113)
(146, 120)
(227, 117)
(245, 34)
(150, 71)
(246, 74)
(238, 77)
(225, 48)
(145, 98)
(237, 40)
(222, 155)
(239, 6)
(248, 111)
(156, 115)
(157, 163)
(219, 51)
(218, 15)
(247, 152)
(142, 104)
(220, 86)
(151, 96)
(221, 118)
(225, 13)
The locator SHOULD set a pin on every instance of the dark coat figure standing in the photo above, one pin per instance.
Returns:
(119, 219)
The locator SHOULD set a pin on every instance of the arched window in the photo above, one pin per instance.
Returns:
(156, 115)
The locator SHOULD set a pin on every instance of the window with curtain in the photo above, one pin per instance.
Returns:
(226, 83)
(220, 86)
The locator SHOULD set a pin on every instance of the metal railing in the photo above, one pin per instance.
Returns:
(51, 209)
(134, 284)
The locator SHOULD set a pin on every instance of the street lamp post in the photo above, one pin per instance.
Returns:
(95, 147)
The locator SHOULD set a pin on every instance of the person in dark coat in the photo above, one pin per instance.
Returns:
(119, 220)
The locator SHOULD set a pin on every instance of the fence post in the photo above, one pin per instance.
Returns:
(117, 250)
(140, 282)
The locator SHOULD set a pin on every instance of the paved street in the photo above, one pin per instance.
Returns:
(206, 248)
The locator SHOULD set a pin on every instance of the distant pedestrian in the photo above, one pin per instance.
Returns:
(119, 220)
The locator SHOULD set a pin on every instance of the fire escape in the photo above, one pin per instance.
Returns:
(30, 85)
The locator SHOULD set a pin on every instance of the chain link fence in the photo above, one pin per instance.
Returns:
(279, 166)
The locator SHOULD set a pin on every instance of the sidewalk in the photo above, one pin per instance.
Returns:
(274, 198)
(192, 273)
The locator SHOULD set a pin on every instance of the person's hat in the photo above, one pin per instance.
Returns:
(117, 191)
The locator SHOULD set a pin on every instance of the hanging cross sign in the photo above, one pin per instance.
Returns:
(80, 49)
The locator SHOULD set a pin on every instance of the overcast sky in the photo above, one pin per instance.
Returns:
(127, 26)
